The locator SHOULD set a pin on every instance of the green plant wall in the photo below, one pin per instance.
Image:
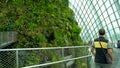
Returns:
(40, 23)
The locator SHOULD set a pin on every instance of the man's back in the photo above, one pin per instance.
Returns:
(99, 48)
(100, 58)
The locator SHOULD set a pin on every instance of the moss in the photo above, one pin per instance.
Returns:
(44, 21)
(40, 23)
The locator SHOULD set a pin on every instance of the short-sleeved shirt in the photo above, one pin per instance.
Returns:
(99, 57)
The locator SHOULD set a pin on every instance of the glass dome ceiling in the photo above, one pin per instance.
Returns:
(92, 15)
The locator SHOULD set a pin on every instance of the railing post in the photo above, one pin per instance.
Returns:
(88, 60)
(17, 65)
(8, 37)
(63, 56)
(1, 39)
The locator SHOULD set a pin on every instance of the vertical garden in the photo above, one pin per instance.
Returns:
(40, 23)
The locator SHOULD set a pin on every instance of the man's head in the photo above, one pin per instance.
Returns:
(102, 32)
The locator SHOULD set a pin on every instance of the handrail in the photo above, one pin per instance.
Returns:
(17, 53)
(50, 63)
(41, 48)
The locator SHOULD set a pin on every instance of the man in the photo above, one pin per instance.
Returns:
(98, 53)
(118, 44)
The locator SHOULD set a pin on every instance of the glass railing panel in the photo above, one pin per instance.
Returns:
(7, 38)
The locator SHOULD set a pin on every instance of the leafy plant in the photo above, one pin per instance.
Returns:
(40, 23)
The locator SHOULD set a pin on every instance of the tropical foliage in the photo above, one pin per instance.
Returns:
(40, 23)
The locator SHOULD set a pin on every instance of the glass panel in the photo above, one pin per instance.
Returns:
(119, 1)
(94, 25)
(104, 1)
(75, 3)
(117, 15)
(115, 24)
(77, 19)
(103, 9)
(90, 16)
(82, 7)
(104, 24)
(92, 29)
(88, 11)
(100, 3)
(95, 16)
(114, 7)
(109, 27)
(88, 20)
(84, 21)
(119, 22)
(86, 7)
(86, 16)
(107, 20)
(112, 1)
(117, 30)
(90, 24)
(80, 12)
(96, 30)
(99, 12)
(112, 17)
(101, 18)
(107, 34)
(93, 13)
(94, 1)
(105, 14)
(92, 20)
(81, 23)
(84, 12)
(113, 37)
(110, 11)
(82, 15)
(78, 7)
(84, 2)
(97, 7)
(107, 4)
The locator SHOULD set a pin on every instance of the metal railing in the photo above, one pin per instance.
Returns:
(62, 61)
(51, 57)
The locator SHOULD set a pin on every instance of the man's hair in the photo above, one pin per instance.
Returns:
(102, 31)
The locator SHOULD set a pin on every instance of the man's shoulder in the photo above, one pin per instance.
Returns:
(103, 39)
(106, 40)
(96, 39)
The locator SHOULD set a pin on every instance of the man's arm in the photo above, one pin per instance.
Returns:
(110, 52)
(92, 50)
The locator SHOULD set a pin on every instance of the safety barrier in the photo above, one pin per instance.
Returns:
(51, 57)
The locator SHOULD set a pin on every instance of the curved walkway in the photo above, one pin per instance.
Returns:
(116, 58)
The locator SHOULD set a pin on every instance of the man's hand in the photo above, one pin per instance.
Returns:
(92, 50)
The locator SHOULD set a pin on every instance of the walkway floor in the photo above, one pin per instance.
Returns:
(116, 58)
